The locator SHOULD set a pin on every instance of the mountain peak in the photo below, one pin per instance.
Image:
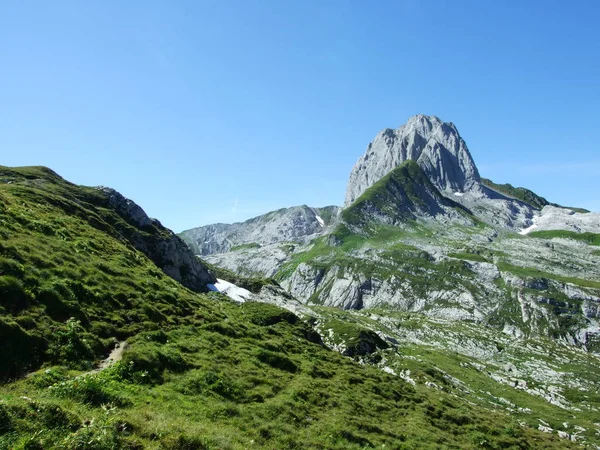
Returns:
(434, 144)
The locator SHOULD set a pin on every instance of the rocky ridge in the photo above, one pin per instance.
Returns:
(556, 218)
(295, 224)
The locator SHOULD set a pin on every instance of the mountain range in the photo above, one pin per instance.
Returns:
(434, 309)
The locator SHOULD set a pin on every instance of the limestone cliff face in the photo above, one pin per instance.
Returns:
(435, 145)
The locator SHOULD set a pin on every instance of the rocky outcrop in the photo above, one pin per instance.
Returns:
(296, 224)
(253, 261)
(556, 218)
(435, 145)
(158, 243)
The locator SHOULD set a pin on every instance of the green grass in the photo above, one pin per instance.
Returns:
(519, 193)
(433, 359)
(469, 256)
(588, 238)
(199, 371)
(396, 196)
(528, 272)
(266, 386)
(249, 246)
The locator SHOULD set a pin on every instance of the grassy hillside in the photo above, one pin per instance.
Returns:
(525, 195)
(198, 371)
(519, 193)
(398, 196)
(588, 238)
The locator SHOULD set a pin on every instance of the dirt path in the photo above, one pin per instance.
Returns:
(115, 355)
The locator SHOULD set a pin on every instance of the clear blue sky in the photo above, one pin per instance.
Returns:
(219, 111)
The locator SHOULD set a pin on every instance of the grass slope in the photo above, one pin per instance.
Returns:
(588, 238)
(525, 195)
(199, 371)
(400, 194)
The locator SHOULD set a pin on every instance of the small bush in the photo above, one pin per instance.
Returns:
(53, 416)
(10, 267)
(184, 442)
(144, 359)
(20, 351)
(48, 377)
(157, 336)
(265, 314)
(69, 345)
(172, 359)
(198, 382)
(319, 372)
(103, 434)
(153, 361)
(57, 307)
(94, 389)
(222, 328)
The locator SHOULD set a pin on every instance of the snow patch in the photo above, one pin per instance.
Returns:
(527, 230)
(230, 290)
(459, 194)
(320, 220)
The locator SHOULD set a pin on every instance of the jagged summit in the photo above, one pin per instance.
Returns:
(434, 144)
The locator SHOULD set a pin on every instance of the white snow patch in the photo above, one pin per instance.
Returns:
(231, 290)
(320, 220)
(527, 230)
(459, 194)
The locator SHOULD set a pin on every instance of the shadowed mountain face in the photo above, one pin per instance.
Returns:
(404, 194)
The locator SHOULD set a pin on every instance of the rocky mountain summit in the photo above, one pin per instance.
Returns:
(436, 146)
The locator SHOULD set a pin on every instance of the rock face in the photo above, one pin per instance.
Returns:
(444, 158)
(435, 145)
(553, 218)
(296, 224)
(262, 261)
(158, 243)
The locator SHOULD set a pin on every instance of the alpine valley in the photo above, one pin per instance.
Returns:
(434, 309)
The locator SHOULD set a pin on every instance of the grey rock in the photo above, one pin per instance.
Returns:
(435, 145)
(295, 224)
(253, 262)
(558, 218)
